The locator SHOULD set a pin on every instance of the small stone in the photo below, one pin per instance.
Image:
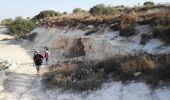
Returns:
(90, 26)
(137, 73)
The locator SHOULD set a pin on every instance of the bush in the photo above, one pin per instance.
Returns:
(7, 21)
(21, 27)
(108, 65)
(45, 14)
(101, 9)
(65, 13)
(127, 20)
(148, 3)
(78, 76)
(77, 10)
(85, 75)
(137, 64)
(123, 67)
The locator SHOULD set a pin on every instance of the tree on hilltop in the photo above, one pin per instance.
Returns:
(45, 14)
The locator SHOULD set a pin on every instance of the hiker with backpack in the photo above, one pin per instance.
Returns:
(46, 55)
(38, 61)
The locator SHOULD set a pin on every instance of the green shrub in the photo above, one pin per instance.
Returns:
(77, 10)
(101, 9)
(21, 27)
(45, 14)
(6, 21)
(65, 13)
(148, 3)
(97, 10)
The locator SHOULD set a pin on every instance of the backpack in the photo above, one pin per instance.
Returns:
(38, 58)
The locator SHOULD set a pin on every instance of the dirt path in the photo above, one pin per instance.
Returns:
(22, 83)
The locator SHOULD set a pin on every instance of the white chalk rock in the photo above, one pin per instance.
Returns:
(137, 73)
(12, 67)
(90, 26)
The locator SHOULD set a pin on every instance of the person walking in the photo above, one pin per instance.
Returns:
(38, 61)
(46, 55)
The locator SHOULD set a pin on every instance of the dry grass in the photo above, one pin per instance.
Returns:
(85, 75)
(127, 16)
(128, 19)
(136, 64)
(155, 19)
(130, 31)
(77, 76)
(162, 33)
(123, 22)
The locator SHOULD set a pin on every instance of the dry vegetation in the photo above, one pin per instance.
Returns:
(76, 75)
(85, 75)
(123, 21)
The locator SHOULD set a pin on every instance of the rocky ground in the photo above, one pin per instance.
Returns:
(22, 83)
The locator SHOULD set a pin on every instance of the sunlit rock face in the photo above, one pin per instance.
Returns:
(98, 45)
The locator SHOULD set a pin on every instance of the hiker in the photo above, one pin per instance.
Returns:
(46, 55)
(38, 61)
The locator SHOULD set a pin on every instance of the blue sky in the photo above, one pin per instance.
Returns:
(29, 8)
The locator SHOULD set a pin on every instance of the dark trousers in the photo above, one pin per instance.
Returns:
(46, 60)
